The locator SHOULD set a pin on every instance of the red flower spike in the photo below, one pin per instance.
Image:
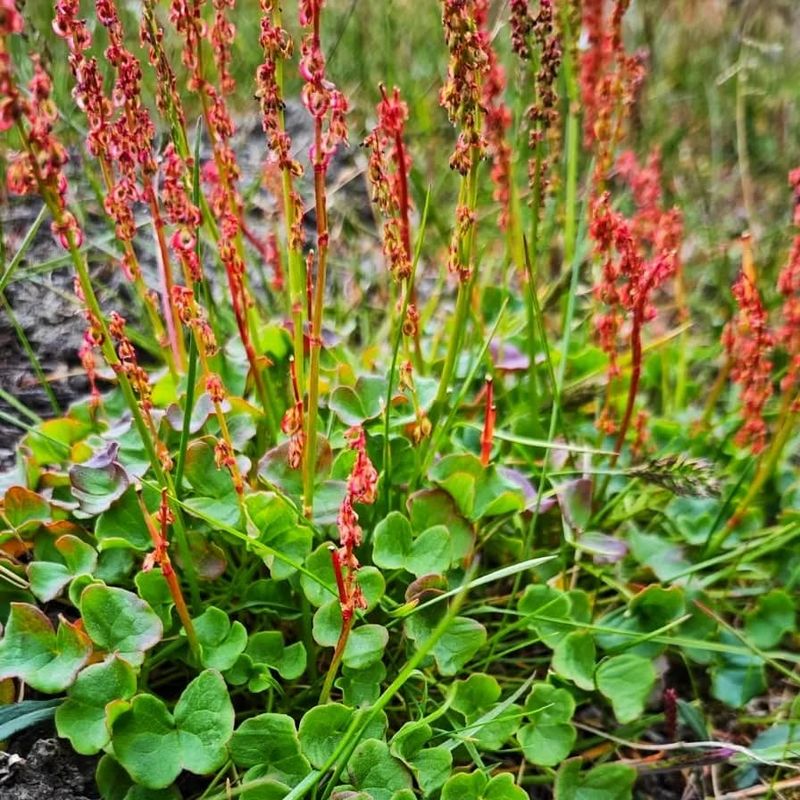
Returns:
(749, 342)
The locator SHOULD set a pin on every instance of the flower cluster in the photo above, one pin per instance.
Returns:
(222, 34)
(194, 316)
(92, 340)
(637, 255)
(543, 115)
(497, 120)
(788, 334)
(277, 46)
(40, 167)
(389, 165)
(181, 212)
(748, 343)
(361, 488)
(168, 100)
(609, 78)
(10, 22)
(462, 93)
(320, 97)
(521, 26)
(292, 422)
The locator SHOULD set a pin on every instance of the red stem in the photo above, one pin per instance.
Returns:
(488, 423)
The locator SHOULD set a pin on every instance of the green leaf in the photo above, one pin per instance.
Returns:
(99, 482)
(626, 680)
(83, 716)
(574, 657)
(221, 642)
(154, 746)
(146, 742)
(549, 737)
(502, 787)
(356, 404)
(33, 652)
(365, 646)
(374, 770)
(476, 696)
(431, 768)
(327, 624)
(275, 523)
(391, 542)
(605, 782)
(435, 507)
(123, 524)
(320, 730)
(465, 786)
(48, 578)
(319, 564)
(737, 678)
(457, 645)
(270, 740)
(431, 552)
(25, 510)
(773, 617)
(120, 622)
(542, 604)
(204, 717)
(361, 686)
(201, 470)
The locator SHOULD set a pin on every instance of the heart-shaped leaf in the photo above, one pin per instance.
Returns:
(82, 718)
(194, 738)
(120, 622)
(33, 652)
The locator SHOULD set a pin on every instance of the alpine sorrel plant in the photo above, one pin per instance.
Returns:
(327, 522)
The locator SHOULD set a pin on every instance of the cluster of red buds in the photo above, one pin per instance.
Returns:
(497, 120)
(748, 342)
(543, 115)
(521, 27)
(465, 221)
(39, 168)
(10, 22)
(194, 316)
(637, 256)
(277, 46)
(462, 94)
(389, 165)
(320, 97)
(609, 78)
(292, 422)
(186, 17)
(181, 211)
(362, 486)
(92, 339)
(168, 101)
(222, 34)
(788, 334)
(129, 363)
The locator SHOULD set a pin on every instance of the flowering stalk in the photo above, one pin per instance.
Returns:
(159, 557)
(185, 14)
(278, 48)
(462, 96)
(125, 142)
(389, 165)
(39, 169)
(752, 345)
(326, 104)
(362, 486)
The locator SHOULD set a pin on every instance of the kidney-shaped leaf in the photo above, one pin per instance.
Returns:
(33, 652)
(119, 621)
